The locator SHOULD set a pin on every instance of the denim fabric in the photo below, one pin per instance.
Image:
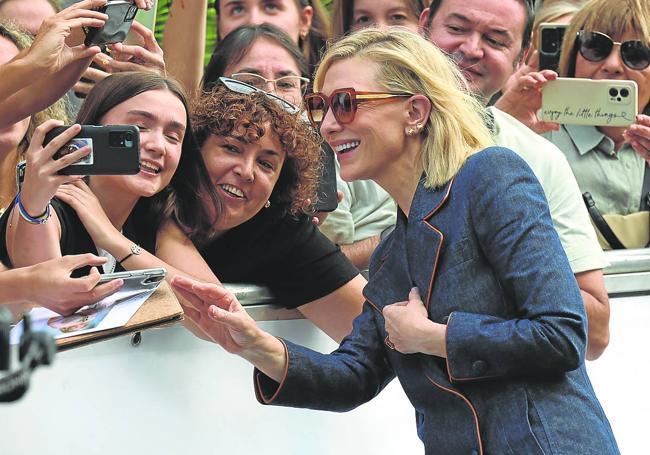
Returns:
(488, 263)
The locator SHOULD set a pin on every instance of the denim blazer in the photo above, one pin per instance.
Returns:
(489, 265)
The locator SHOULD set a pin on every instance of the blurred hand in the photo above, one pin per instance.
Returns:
(41, 177)
(60, 39)
(522, 95)
(638, 136)
(91, 76)
(147, 56)
(50, 284)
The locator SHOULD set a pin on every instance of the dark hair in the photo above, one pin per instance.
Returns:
(181, 200)
(319, 32)
(248, 117)
(344, 12)
(233, 48)
(529, 6)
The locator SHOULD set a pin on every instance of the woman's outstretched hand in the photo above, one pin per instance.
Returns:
(216, 312)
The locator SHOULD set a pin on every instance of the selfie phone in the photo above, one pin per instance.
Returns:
(120, 16)
(327, 199)
(136, 280)
(551, 36)
(574, 101)
(115, 150)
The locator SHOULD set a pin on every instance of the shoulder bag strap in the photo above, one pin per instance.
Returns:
(600, 222)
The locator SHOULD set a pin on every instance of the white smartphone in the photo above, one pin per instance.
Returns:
(137, 280)
(576, 101)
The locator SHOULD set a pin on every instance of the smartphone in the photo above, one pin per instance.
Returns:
(136, 280)
(551, 36)
(120, 16)
(575, 101)
(327, 199)
(146, 18)
(115, 150)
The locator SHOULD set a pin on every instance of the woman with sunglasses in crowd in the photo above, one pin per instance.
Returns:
(135, 221)
(351, 15)
(266, 238)
(492, 355)
(606, 39)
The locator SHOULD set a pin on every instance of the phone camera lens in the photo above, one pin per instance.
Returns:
(128, 137)
(625, 92)
(613, 92)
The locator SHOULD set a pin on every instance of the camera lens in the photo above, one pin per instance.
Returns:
(128, 137)
(613, 92)
(549, 41)
(625, 92)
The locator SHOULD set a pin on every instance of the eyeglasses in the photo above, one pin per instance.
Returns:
(284, 84)
(596, 47)
(247, 89)
(344, 103)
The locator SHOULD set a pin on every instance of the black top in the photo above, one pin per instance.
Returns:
(76, 240)
(289, 256)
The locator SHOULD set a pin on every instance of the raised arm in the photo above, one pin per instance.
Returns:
(184, 42)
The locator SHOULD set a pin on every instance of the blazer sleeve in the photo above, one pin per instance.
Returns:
(513, 226)
(348, 377)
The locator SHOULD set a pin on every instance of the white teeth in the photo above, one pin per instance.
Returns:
(342, 148)
(149, 166)
(233, 190)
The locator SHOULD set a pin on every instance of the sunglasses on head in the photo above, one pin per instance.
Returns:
(344, 103)
(246, 89)
(596, 47)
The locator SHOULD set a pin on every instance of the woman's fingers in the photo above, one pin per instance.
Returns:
(39, 133)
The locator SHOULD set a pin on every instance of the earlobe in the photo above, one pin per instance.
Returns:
(419, 109)
(306, 20)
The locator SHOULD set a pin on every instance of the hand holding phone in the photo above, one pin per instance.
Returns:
(111, 150)
(136, 280)
(120, 16)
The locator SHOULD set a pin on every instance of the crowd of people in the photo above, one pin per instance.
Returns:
(462, 257)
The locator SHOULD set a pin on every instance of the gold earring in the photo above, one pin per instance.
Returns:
(267, 204)
(410, 131)
(418, 126)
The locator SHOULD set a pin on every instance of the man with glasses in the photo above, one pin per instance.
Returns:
(489, 40)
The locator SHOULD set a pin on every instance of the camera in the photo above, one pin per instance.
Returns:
(120, 139)
(550, 41)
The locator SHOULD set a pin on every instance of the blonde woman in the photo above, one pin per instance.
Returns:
(492, 353)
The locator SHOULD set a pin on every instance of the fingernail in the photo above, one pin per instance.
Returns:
(415, 289)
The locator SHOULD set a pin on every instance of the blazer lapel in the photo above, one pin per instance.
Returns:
(425, 240)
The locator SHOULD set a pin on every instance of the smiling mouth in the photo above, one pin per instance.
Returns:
(347, 147)
(232, 191)
(149, 167)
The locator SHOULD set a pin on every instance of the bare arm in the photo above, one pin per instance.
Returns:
(184, 42)
(359, 252)
(334, 313)
(594, 296)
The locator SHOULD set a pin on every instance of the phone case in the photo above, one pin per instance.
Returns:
(589, 102)
(120, 16)
(115, 150)
(551, 36)
(137, 280)
(326, 193)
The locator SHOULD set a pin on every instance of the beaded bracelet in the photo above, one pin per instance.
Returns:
(41, 219)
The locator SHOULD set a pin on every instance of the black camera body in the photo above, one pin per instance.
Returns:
(551, 37)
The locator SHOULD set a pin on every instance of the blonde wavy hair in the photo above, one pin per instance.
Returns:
(406, 62)
(611, 17)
